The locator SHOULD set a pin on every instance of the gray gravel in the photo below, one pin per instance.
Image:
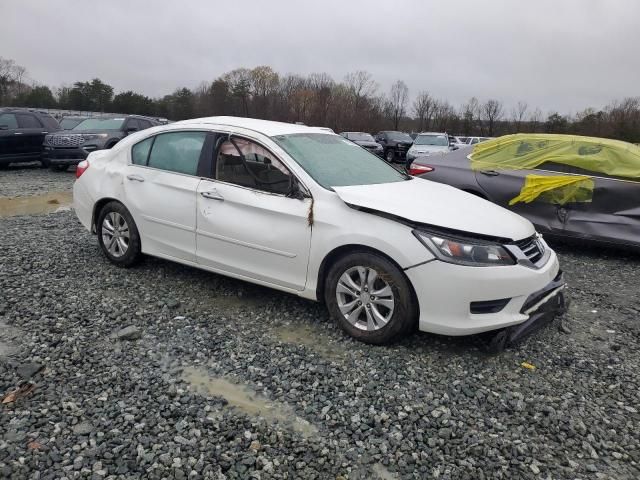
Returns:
(30, 179)
(157, 400)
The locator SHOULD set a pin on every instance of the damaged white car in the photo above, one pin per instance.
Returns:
(305, 211)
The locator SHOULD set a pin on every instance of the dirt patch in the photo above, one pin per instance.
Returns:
(35, 204)
(245, 400)
(311, 337)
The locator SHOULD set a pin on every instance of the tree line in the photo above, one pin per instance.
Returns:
(354, 103)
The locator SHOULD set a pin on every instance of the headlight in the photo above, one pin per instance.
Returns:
(464, 251)
(93, 136)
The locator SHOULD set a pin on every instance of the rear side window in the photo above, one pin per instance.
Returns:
(144, 124)
(28, 121)
(177, 152)
(8, 120)
(140, 151)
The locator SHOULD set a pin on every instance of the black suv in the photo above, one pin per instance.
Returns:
(394, 144)
(22, 133)
(70, 147)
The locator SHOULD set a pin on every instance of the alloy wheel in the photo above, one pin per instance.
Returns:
(365, 298)
(115, 234)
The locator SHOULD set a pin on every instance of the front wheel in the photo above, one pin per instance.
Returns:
(118, 235)
(370, 298)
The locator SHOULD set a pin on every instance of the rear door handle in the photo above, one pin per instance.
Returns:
(213, 195)
(490, 173)
(135, 178)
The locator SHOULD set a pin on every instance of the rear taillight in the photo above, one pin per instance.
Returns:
(81, 168)
(416, 169)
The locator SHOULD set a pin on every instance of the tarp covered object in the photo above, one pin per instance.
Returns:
(528, 151)
(558, 190)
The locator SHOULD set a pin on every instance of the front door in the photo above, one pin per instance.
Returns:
(247, 225)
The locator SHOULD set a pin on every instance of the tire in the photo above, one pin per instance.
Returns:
(45, 163)
(59, 168)
(375, 319)
(390, 156)
(121, 243)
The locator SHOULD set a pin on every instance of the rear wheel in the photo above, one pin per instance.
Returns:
(390, 156)
(370, 298)
(118, 235)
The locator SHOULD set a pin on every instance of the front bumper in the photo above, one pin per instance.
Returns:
(445, 293)
(64, 156)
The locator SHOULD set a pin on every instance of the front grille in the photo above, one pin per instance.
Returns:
(65, 140)
(532, 247)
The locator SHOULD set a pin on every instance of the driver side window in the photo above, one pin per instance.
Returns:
(247, 164)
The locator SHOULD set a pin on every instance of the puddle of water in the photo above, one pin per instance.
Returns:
(35, 204)
(382, 472)
(246, 400)
(311, 337)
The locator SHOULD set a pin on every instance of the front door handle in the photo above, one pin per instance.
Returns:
(490, 173)
(135, 178)
(213, 195)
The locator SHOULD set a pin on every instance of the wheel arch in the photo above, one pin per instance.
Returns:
(343, 250)
(97, 207)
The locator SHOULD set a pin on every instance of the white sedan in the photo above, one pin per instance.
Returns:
(305, 211)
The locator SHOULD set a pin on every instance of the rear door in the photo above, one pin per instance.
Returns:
(613, 212)
(32, 133)
(161, 184)
(247, 225)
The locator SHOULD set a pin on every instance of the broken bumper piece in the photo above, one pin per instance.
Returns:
(542, 307)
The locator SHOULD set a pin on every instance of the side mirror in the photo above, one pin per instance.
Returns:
(130, 130)
(454, 147)
(295, 191)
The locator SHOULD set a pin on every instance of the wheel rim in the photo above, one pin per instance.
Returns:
(115, 234)
(365, 299)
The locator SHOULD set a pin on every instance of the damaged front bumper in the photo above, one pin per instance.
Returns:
(541, 307)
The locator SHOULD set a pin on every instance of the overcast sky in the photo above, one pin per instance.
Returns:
(555, 54)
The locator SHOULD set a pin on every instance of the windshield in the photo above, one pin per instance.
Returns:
(361, 137)
(100, 124)
(333, 161)
(399, 137)
(69, 123)
(437, 140)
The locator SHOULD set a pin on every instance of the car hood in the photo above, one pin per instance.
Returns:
(436, 204)
(366, 143)
(85, 132)
(429, 148)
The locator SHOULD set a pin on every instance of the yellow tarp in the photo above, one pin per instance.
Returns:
(528, 151)
(558, 190)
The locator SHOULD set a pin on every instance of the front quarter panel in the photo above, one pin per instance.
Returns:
(336, 225)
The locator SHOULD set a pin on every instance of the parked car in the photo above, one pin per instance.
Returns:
(68, 123)
(394, 145)
(475, 140)
(63, 149)
(457, 142)
(366, 141)
(568, 186)
(21, 134)
(241, 197)
(428, 143)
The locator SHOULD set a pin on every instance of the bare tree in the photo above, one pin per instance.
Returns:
(361, 85)
(492, 111)
(470, 114)
(518, 114)
(423, 107)
(398, 97)
(535, 120)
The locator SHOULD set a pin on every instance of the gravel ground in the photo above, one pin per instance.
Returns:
(222, 379)
(20, 180)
